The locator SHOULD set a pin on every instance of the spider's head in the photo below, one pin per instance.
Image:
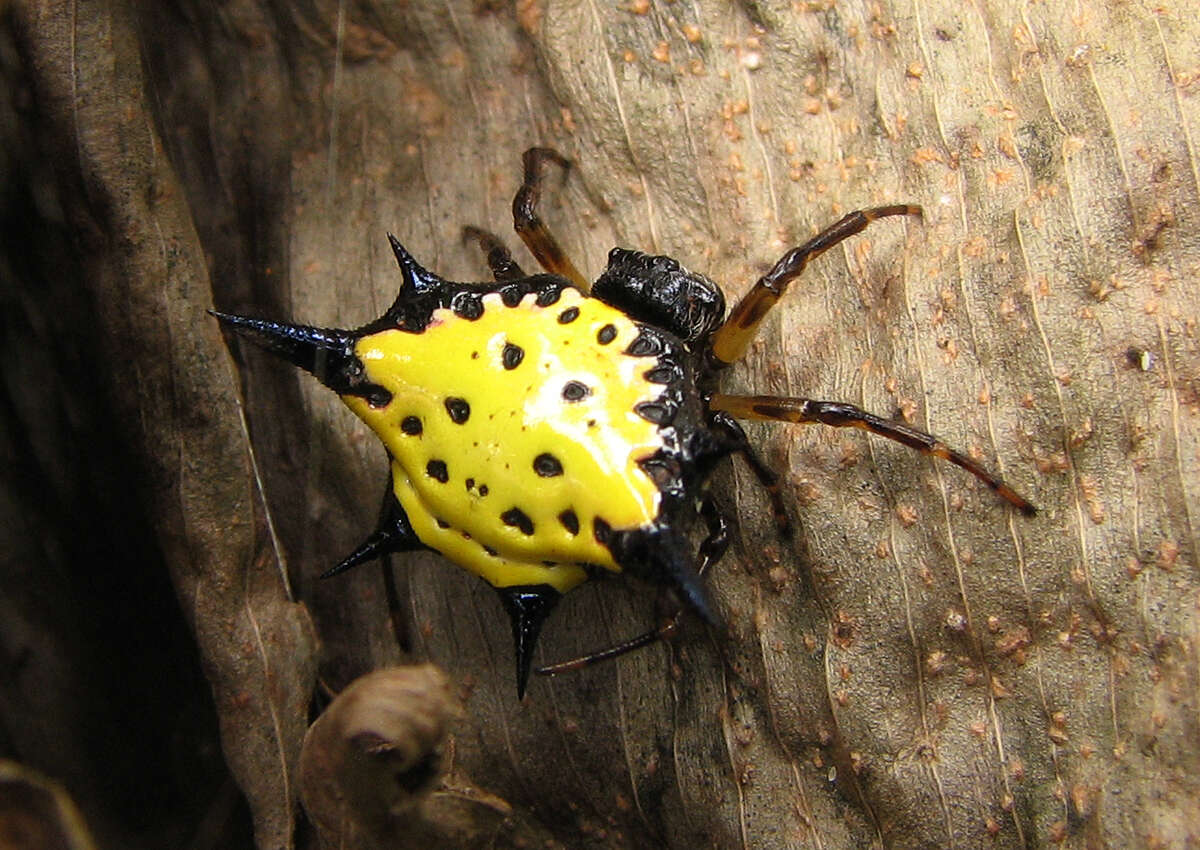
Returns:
(660, 292)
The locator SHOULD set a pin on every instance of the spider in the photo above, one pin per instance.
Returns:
(542, 431)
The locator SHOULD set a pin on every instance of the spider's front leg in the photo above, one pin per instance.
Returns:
(499, 258)
(733, 337)
(530, 228)
(841, 415)
(731, 340)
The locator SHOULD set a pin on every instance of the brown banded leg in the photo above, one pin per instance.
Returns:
(734, 336)
(499, 259)
(738, 442)
(711, 551)
(840, 415)
(530, 228)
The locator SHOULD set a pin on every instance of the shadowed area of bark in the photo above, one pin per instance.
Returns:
(921, 666)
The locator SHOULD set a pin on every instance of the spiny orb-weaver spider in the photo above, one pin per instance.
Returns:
(542, 431)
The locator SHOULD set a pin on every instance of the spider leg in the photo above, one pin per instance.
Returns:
(734, 336)
(738, 442)
(530, 228)
(840, 415)
(711, 551)
(499, 259)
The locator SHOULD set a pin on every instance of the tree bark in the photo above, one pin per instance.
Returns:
(921, 665)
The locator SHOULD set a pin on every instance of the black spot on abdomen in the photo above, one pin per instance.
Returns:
(659, 414)
(436, 469)
(547, 465)
(661, 375)
(511, 295)
(458, 409)
(518, 519)
(512, 355)
(467, 305)
(569, 521)
(645, 346)
(575, 391)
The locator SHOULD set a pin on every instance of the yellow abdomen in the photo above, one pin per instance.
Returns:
(513, 436)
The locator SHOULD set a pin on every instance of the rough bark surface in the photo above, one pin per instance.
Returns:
(921, 666)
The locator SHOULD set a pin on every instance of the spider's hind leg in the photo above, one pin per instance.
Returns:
(841, 415)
